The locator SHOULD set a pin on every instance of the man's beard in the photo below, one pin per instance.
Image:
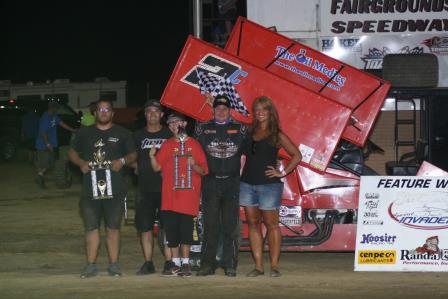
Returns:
(104, 122)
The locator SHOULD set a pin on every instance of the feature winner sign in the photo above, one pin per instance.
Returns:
(402, 224)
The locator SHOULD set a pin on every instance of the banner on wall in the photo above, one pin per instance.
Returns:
(361, 33)
(367, 52)
(402, 224)
(354, 17)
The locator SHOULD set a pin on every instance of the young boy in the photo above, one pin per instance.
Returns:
(182, 162)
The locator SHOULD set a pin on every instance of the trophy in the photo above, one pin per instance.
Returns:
(182, 177)
(100, 173)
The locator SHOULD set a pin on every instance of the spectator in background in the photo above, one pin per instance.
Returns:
(30, 129)
(227, 9)
(47, 140)
(88, 118)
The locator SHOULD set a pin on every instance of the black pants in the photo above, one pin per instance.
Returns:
(221, 211)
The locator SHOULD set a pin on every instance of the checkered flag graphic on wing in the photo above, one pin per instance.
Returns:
(219, 86)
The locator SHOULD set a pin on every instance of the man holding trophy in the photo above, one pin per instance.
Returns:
(182, 163)
(101, 151)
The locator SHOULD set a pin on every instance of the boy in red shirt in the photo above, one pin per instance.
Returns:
(181, 190)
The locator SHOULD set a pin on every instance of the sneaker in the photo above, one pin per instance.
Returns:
(167, 268)
(230, 272)
(255, 273)
(185, 270)
(170, 269)
(114, 269)
(40, 181)
(205, 271)
(90, 270)
(146, 268)
(275, 273)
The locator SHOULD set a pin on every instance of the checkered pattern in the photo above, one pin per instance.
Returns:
(220, 86)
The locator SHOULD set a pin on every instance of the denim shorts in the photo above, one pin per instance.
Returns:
(265, 197)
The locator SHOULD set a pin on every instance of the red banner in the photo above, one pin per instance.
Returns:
(363, 93)
(312, 121)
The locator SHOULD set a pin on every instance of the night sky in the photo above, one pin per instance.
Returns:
(137, 41)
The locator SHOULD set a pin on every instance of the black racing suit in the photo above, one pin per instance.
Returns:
(223, 144)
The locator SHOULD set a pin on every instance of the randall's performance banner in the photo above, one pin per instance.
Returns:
(314, 122)
(402, 224)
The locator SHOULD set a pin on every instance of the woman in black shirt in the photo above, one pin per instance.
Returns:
(261, 188)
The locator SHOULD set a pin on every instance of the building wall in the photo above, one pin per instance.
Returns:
(383, 136)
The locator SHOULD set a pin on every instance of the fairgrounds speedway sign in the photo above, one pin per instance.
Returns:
(402, 224)
(361, 33)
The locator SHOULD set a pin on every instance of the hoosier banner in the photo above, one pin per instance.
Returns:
(402, 224)
(314, 122)
(363, 93)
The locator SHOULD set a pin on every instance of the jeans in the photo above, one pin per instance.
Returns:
(265, 197)
(220, 208)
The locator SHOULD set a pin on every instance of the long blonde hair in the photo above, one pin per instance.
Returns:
(274, 121)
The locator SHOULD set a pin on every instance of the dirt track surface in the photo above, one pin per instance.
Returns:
(42, 253)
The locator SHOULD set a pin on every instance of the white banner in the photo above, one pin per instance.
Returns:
(402, 224)
(358, 17)
(367, 52)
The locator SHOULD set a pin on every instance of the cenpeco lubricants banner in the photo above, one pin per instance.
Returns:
(402, 224)
(361, 33)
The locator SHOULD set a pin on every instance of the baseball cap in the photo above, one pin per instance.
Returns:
(155, 104)
(221, 100)
(175, 117)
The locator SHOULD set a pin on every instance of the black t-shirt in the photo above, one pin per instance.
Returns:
(148, 180)
(117, 142)
(223, 145)
(259, 155)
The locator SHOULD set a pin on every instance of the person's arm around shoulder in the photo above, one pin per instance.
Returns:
(244, 138)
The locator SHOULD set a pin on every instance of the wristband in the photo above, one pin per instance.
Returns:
(123, 161)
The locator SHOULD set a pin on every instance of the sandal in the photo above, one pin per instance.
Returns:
(255, 273)
(275, 273)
